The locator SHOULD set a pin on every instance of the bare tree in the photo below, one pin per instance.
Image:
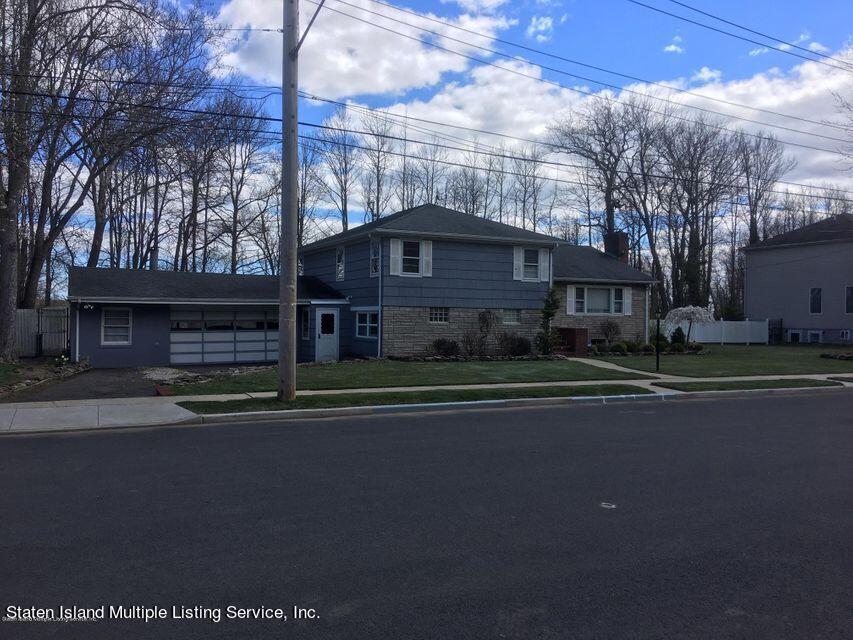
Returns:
(763, 163)
(338, 148)
(376, 157)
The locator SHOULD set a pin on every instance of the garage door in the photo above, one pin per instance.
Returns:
(221, 336)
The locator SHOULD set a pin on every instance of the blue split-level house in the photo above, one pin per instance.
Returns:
(386, 288)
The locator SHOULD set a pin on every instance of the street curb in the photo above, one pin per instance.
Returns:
(341, 412)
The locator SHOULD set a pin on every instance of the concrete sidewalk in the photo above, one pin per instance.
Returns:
(22, 417)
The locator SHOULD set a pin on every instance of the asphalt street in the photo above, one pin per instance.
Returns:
(694, 519)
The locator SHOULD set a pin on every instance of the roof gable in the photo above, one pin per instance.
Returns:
(838, 228)
(431, 220)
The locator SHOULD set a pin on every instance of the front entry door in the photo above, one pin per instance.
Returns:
(327, 335)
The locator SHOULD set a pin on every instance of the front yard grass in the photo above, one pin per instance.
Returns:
(391, 373)
(327, 401)
(741, 360)
(742, 385)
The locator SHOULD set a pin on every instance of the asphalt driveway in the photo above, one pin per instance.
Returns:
(693, 519)
(91, 384)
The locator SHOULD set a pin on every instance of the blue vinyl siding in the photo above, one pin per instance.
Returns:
(464, 274)
(149, 346)
(357, 285)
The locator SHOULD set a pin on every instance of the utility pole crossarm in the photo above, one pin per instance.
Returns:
(308, 28)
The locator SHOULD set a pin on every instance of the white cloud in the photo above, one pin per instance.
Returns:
(494, 100)
(817, 47)
(675, 45)
(759, 51)
(344, 57)
(541, 28)
(478, 6)
(706, 74)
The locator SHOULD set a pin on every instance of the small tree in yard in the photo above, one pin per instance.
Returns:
(677, 317)
(546, 338)
(610, 330)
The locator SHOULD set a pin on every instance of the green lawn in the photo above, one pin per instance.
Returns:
(390, 373)
(740, 385)
(739, 360)
(327, 401)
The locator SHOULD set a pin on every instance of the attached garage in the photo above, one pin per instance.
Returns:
(131, 318)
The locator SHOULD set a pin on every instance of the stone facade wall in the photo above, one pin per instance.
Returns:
(407, 331)
(632, 327)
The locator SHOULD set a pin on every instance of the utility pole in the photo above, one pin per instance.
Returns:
(289, 204)
(288, 216)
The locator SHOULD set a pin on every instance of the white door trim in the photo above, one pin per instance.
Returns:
(337, 337)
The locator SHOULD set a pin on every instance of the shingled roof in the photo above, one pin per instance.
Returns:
(838, 228)
(430, 220)
(587, 264)
(182, 286)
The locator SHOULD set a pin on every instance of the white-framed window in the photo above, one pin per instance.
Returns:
(815, 301)
(411, 257)
(848, 300)
(375, 256)
(814, 337)
(618, 300)
(531, 265)
(845, 335)
(340, 260)
(795, 336)
(367, 324)
(305, 322)
(601, 301)
(511, 316)
(439, 314)
(116, 326)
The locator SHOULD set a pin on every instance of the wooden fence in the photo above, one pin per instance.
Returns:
(41, 332)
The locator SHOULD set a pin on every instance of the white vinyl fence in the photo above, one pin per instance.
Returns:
(41, 332)
(730, 332)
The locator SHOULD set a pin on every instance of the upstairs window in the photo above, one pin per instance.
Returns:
(531, 264)
(115, 326)
(374, 257)
(339, 263)
(411, 257)
(815, 301)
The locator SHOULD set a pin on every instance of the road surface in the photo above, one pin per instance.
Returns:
(693, 519)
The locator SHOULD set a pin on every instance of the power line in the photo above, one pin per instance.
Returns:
(593, 80)
(739, 37)
(260, 132)
(759, 33)
(573, 89)
(603, 69)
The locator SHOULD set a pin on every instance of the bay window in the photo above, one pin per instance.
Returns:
(599, 300)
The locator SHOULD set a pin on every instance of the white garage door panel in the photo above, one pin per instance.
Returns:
(247, 336)
(219, 336)
(250, 346)
(251, 356)
(186, 358)
(185, 336)
(180, 347)
(218, 347)
(218, 357)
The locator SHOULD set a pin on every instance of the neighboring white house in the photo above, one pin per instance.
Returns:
(805, 279)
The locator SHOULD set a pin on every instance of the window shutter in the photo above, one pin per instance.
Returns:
(570, 300)
(543, 265)
(517, 260)
(426, 258)
(626, 301)
(396, 256)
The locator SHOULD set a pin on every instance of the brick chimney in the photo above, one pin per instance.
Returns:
(616, 245)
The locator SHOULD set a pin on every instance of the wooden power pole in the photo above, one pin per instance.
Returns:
(289, 204)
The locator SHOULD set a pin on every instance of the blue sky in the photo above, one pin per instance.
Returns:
(353, 61)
